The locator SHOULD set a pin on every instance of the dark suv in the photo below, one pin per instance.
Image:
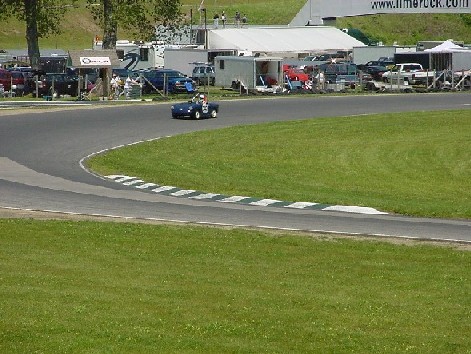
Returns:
(54, 84)
(168, 80)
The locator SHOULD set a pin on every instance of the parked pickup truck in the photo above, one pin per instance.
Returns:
(413, 73)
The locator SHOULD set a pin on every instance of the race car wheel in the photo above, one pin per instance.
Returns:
(197, 114)
(214, 113)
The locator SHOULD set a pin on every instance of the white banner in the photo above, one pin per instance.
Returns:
(362, 7)
(315, 10)
(95, 61)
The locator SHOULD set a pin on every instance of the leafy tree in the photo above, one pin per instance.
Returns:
(136, 16)
(168, 18)
(167, 12)
(41, 17)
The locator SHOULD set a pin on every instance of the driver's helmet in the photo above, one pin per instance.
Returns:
(202, 96)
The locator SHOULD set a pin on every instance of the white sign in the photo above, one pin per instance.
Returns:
(95, 61)
(316, 10)
(339, 8)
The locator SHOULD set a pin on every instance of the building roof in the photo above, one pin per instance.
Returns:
(306, 39)
(94, 58)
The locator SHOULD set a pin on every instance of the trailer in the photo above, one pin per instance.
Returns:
(140, 55)
(137, 55)
(184, 59)
(440, 60)
(249, 74)
(362, 55)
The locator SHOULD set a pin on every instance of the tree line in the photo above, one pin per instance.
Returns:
(43, 18)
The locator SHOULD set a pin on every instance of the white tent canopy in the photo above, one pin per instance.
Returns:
(307, 39)
(447, 46)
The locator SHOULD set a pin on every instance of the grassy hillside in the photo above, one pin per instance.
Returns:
(411, 28)
(79, 28)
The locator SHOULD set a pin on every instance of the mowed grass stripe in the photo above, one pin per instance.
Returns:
(408, 163)
(133, 288)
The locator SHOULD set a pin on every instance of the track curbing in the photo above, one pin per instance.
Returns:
(215, 197)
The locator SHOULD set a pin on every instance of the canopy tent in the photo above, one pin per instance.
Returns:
(306, 39)
(447, 46)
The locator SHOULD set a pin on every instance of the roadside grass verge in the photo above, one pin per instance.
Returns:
(136, 288)
(407, 163)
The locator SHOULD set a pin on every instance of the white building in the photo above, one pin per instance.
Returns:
(286, 42)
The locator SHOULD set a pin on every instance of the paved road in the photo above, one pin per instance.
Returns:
(40, 168)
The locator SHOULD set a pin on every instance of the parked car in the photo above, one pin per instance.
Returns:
(340, 73)
(311, 58)
(18, 81)
(332, 57)
(63, 84)
(376, 71)
(32, 81)
(363, 67)
(204, 75)
(5, 79)
(124, 73)
(296, 74)
(90, 74)
(198, 107)
(413, 73)
(169, 80)
(388, 62)
(53, 84)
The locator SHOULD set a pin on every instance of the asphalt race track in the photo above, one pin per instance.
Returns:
(41, 154)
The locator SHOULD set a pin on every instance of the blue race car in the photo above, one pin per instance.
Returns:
(198, 107)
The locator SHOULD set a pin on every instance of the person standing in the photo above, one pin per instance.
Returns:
(216, 20)
(223, 19)
(128, 83)
(244, 20)
(237, 19)
(115, 86)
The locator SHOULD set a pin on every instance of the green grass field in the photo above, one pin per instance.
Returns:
(91, 287)
(409, 163)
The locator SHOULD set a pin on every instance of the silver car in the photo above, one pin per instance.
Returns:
(204, 75)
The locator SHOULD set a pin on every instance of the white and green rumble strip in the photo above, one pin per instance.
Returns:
(193, 194)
